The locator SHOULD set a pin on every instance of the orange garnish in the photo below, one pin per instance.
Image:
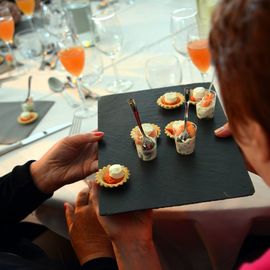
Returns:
(9, 58)
(190, 129)
(192, 98)
(110, 180)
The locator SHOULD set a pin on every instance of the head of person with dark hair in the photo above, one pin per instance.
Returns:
(239, 44)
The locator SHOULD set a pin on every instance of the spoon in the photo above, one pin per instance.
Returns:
(29, 88)
(58, 86)
(184, 135)
(87, 92)
(147, 143)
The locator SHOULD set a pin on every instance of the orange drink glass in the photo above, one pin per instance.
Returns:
(26, 6)
(73, 60)
(72, 57)
(198, 50)
(6, 29)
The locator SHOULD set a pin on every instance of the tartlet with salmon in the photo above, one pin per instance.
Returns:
(112, 175)
(170, 100)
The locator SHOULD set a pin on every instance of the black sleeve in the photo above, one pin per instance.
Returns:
(18, 195)
(101, 264)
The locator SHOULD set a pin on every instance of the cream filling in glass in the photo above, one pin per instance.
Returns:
(170, 97)
(147, 128)
(115, 171)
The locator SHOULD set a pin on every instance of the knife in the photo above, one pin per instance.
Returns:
(32, 138)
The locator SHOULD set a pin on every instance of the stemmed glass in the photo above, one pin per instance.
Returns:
(181, 20)
(109, 40)
(72, 57)
(27, 7)
(198, 50)
(7, 31)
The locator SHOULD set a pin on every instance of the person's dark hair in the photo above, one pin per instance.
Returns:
(240, 49)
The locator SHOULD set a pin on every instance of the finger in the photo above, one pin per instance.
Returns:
(69, 213)
(224, 131)
(82, 139)
(94, 166)
(93, 196)
(82, 198)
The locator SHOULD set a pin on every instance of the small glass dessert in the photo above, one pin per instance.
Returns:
(146, 152)
(171, 100)
(196, 95)
(187, 146)
(112, 175)
(28, 105)
(27, 118)
(150, 130)
(206, 107)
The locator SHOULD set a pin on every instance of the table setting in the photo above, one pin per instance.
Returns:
(83, 75)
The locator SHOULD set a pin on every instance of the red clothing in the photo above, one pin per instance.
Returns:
(263, 263)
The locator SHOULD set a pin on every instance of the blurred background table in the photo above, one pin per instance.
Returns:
(200, 236)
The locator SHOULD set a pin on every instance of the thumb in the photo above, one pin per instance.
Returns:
(70, 215)
(224, 131)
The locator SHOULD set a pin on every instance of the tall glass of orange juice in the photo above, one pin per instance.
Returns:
(72, 57)
(198, 50)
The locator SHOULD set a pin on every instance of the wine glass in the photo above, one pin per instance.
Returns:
(7, 28)
(72, 57)
(27, 7)
(181, 20)
(109, 40)
(198, 50)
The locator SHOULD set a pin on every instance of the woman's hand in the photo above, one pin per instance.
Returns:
(131, 235)
(87, 236)
(69, 160)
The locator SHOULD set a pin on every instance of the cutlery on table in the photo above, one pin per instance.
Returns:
(32, 138)
(58, 86)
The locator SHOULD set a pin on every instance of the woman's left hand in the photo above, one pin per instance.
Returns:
(69, 160)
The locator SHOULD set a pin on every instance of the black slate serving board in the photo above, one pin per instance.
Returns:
(214, 171)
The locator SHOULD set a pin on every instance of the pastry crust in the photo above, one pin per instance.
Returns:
(135, 131)
(33, 118)
(100, 177)
(171, 106)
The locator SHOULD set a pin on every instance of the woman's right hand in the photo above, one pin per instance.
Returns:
(124, 227)
(131, 236)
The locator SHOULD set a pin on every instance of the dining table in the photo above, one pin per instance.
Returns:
(205, 235)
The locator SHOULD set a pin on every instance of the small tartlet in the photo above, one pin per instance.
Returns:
(135, 132)
(32, 118)
(169, 106)
(105, 170)
(169, 128)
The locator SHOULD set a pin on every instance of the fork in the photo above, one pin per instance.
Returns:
(76, 125)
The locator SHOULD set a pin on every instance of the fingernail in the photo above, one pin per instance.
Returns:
(98, 133)
(218, 130)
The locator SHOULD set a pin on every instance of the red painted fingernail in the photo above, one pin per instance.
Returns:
(98, 133)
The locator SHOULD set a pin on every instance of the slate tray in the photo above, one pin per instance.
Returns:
(11, 131)
(214, 171)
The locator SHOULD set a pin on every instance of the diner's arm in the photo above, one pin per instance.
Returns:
(19, 196)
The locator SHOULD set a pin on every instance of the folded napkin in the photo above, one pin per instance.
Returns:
(11, 131)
